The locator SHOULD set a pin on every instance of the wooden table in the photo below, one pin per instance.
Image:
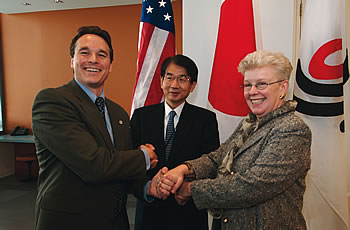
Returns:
(8, 152)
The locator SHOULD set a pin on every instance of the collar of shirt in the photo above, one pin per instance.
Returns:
(178, 111)
(89, 92)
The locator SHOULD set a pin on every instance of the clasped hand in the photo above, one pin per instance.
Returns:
(167, 182)
(152, 155)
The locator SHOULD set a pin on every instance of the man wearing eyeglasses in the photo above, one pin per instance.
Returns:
(194, 132)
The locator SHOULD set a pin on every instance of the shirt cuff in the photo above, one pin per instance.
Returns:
(148, 161)
(149, 199)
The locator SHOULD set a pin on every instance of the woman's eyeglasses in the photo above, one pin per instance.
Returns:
(259, 85)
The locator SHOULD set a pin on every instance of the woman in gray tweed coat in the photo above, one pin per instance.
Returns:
(256, 179)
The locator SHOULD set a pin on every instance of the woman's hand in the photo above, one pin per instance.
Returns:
(183, 194)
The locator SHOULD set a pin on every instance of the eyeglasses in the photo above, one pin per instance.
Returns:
(259, 85)
(182, 79)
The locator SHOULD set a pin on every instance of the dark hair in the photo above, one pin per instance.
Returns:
(92, 30)
(183, 61)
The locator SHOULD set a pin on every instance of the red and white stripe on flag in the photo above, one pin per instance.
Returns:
(322, 75)
(236, 38)
(156, 42)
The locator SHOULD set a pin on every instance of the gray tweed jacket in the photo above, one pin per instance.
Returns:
(266, 186)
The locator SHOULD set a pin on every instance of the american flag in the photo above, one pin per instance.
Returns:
(156, 42)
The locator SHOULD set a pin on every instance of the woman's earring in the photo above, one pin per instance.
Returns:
(282, 96)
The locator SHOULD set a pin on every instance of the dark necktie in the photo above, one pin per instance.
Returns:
(121, 195)
(100, 103)
(169, 136)
(120, 200)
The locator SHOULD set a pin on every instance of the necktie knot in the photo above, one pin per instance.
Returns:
(100, 103)
(172, 114)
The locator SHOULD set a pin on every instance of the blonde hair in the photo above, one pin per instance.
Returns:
(262, 58)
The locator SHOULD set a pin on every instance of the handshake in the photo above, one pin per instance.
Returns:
(167, 182)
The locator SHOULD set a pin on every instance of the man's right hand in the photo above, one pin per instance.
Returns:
(153, 188)
(152, 155)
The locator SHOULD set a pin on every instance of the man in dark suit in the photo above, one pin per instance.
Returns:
(86, 163)
(196, 132)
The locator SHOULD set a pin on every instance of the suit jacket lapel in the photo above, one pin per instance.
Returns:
(184, 124)
(158, 125)
(254, 138)
(93, 112)
(114, 124)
